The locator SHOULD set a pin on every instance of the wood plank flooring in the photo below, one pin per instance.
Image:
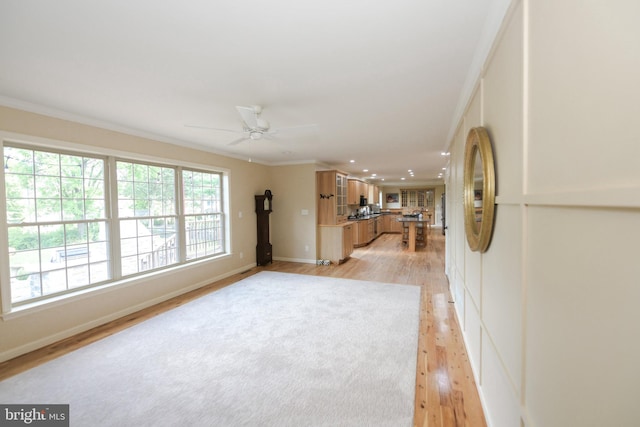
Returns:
(446, 393)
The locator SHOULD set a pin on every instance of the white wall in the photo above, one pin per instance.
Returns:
(550, 312)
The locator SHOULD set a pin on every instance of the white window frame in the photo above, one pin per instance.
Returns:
(111, 156)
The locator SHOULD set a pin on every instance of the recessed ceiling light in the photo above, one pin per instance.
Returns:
(352, 161)
(402, 178)
(445, 153)
(374, 174)
(409, 170)
(365, 170)
(444, 169)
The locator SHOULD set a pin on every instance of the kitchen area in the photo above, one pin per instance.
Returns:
(352, 213)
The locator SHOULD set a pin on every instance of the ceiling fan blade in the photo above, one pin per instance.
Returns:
(237, 141)
(212, 128)
(249, 116)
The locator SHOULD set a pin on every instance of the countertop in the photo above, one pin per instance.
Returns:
(364, 217)
(412, 219)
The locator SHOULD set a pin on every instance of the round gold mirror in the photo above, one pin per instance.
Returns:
(479, 189)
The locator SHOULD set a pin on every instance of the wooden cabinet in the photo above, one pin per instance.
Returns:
(341, 196)
(336, 242)
(357, 188)
(362, 233)
(390, 223)
(368, 230)
(347, 241)
(353, 195)
(331, 188)
(374, 194)
(335, 234)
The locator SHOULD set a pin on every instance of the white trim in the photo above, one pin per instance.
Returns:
(89, 292)
(58, 145)
(493, 24)
(627, 197)
(302, 260)
(102, 124)
(5, 262)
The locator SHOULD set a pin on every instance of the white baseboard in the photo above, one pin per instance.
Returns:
(302, 260)
(34, 345)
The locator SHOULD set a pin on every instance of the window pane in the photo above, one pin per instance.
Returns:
(204, 235)
(147, 244)
(145, 190)
(202, 206)
(201, 192)
(51, 187)
(47, 164)
(21, 210)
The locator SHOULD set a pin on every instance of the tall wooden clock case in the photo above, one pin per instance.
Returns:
(264, 252)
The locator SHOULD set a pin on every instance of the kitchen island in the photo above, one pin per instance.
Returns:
(413, 223)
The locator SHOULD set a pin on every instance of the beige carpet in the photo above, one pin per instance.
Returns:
(274, 349)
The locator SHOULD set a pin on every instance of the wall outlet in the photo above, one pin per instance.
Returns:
(240, 214)
(306, 248)
(241, 255)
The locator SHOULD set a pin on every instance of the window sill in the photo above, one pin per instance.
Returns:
(59, 300)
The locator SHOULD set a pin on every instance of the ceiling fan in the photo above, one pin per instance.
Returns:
(254, 127)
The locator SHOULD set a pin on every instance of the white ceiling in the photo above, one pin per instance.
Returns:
(383, 81)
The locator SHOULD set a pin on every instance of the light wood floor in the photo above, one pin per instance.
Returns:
(446, 393)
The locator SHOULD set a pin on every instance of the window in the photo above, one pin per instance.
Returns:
(417, 198)
(203, 214)
(60, 219)
(147, 216)
(56, 222)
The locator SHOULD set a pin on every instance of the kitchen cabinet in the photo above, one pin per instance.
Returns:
(390, 223)
(362, 233)
(336, 242)
(353, 196)
(374, 194)
(367, 230)
(331, 188)
(356, 188)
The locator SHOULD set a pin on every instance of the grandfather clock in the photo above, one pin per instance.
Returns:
(263, 209)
